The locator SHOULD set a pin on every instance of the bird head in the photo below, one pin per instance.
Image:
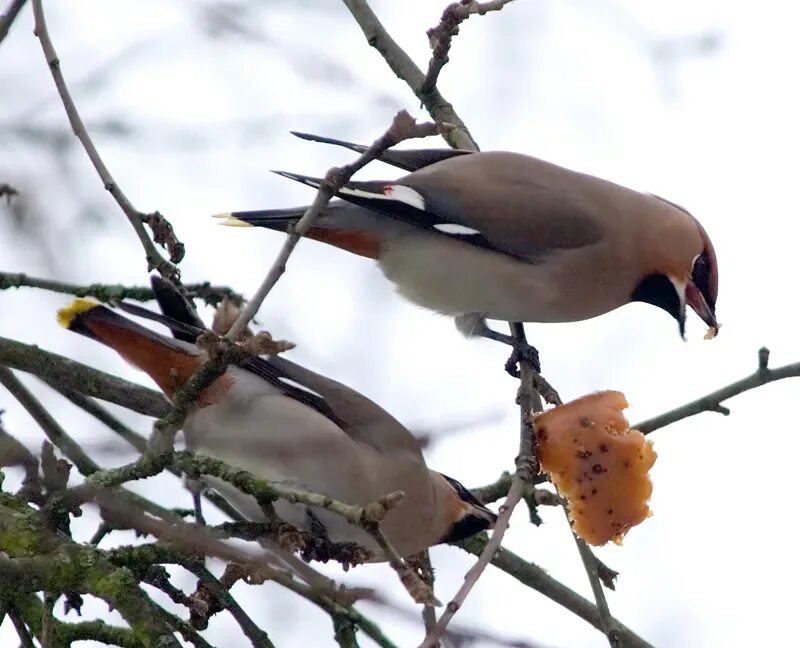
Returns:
(466, 514)
(683, 273)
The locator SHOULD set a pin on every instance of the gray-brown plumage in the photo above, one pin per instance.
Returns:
(506, 236)
(285, 423)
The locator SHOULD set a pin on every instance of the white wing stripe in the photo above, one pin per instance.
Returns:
(455, 228)
(291, 383)
(399, 193)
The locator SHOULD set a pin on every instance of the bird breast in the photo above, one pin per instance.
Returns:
(563, 286)
(258, 429)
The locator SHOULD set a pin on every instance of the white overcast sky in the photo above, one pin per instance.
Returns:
(615, 88)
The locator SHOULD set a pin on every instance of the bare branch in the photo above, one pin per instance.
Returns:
(49, 425)
(135, 217)
(99, 412)
(538, 579)
(401, 64)
(8, 18)
(527, 464)
(441, 36)
(713, 402)
(403, 127)
(258, 638)
(13, 453)
(590, 563)
(474, 573)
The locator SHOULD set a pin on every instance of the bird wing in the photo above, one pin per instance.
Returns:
(182, 319)
(362, 419)
(406, 159)
(505, 202)
(359, 417)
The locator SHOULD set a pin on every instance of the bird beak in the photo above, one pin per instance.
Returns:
(698, 303)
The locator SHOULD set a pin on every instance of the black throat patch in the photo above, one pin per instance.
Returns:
(658, 290)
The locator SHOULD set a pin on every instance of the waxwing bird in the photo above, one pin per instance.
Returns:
(506, 236)
(285, 423)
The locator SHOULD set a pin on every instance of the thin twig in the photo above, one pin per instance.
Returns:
(590, 565)
(135, 439)
(8, 18)
(49, 425)
(713, 402)
(403, 127)
(401, 64)
(422, 564)
(99, 412)
(441, 36)
(419, 591)
(135, 217)
(367, 517)
(533, 576)
(474, 573)
(14, 453)
(257, 636)
(527, 468)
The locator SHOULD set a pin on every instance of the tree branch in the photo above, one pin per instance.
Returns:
(258, 638)
(135, 217)
(527, 468)
(590, 563)
(31, 552)
(403, 127)
(8, 18)
(57, 435)
(538, 579)
(113, 293)
(713, 402)
(82, 378)
(441, 36)
(401, 64)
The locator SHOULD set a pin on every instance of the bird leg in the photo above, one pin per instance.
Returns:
(521, 351)
(196, 488)
(474, 325)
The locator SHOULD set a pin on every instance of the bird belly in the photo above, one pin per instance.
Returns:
(281, 440)
(453, 278)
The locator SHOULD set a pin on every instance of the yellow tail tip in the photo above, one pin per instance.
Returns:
(68, 313)
(231, 221)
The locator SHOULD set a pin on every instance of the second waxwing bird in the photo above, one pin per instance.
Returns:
(510, 237)
(285, 423)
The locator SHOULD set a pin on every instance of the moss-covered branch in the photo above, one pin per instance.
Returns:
(39, 559)
(111, 293)
(82, 378)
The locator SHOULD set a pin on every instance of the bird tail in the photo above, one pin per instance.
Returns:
(274, 219)
(168, 362)
(174, 305)
(406, 159)
(341, 224)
